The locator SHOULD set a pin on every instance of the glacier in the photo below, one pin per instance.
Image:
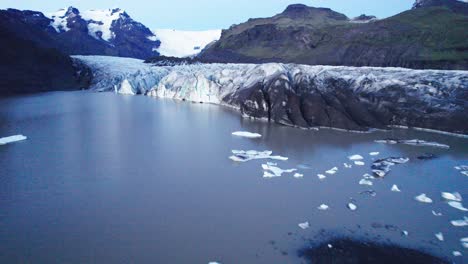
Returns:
(348, 98)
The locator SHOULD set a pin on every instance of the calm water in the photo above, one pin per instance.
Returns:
(105, 178)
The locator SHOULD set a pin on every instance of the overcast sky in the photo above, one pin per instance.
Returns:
(211, 14)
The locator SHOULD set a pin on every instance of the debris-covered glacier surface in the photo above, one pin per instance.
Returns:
(349, 98)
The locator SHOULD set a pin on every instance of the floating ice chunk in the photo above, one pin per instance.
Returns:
(405, 233)
(356, 157)
(11, 139)
(244, 156)
(275, 171)
(298, 175)
(359, 163)
(323, 207)
(386, 141)
(423, 198)
(246, 134)
(436, 214)
(213, 262)
(457, 254)
(369, 192)
(352, 207)
(464, 242)
(321, 176)
(330, 246)
(332, 171)
(413, 142)
(461, 167)
(395, 188)
(304, 167)
(366, 182)
(462, 222)
(348, 166)
(368, 176)
(374, 153)
(452, 196)
(381, 167)
(464, 173)
(457, 205)
(440, 236)
(304, 225)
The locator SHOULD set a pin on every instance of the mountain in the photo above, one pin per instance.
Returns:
(99, 32)
(179, 43)
(431, 35)
(33, 66)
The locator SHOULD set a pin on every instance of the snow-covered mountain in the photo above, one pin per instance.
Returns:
(352, 98)
(179, 43)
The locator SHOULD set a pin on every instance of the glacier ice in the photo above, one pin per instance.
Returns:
(423, 198)
(11, 139)
(246, 134)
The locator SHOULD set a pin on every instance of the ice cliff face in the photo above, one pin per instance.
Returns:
(298, 95)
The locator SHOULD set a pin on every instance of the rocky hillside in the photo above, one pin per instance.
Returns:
(33, 66)
(342, 97)
(100, 32)
(431, 35)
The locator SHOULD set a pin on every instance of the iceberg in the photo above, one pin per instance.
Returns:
(457, 205)
(273, 171)
(452, 196)
(332, 171)
(11, 139)
(304, 225)
(413, 142)
(464, 242)
(381, 167)
(246, 134)
(405, 233)
(323, 207)
(423, 198)
(374, 153)
(365, 182)
(439, 236)
(298, 175)
(359, 163)
(459, 223)
(395, 188)
(457, 254)
(352, 207)
(244, 156)
(355, 157)
(464, 173)
(321, 176)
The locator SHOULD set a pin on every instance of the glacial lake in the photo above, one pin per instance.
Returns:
(106, 178)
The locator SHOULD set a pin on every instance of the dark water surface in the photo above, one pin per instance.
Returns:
(105, 178)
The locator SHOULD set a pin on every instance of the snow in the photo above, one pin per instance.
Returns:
(101, 21)
(179, 43)
(395, 188)
(59, 21)
(246, 134)
(304, 225)
(11, 139)
(423, 198)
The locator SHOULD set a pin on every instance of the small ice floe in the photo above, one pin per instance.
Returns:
(359, 163)
(423, 198)
(246, 134)
(440, 236)
(298, 175)
(464, 173)
(459, 223)
(457, 254)
(304, 167)
(214, 262)
(457, 205)
(381, 167)
(11, 139)
(352, 207)
(321, 176)
(452, 196)
(374, 153)
(464, 242)
(348, 166)
(304, 225)
(395, 188)
(274, 171)
(332, 171)
(461, 167)
(244, 156)
(436, 213)
(405, 233)
(366, 182)
(356, 157)
(413, 142)
(330, 246)
(323, 207)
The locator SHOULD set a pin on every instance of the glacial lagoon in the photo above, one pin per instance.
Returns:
(109, 178)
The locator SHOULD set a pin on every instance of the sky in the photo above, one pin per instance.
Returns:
(211, 14)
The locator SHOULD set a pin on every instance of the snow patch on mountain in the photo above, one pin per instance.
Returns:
(101, 21)
(59, 18)
(179, 43)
